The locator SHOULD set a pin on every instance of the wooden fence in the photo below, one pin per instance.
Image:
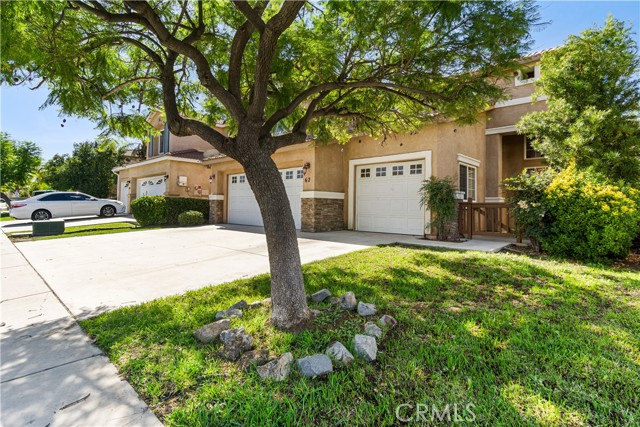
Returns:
(491, 219)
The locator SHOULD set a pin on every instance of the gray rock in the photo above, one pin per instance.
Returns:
(338, 352)
(209, 333)
(315, 366)
(266, 301)
(240, 305)
(226, 314)
(365, 346)
(348, 301)
(320, 295)
(334, 300)
(365, 309)
(255, 304)
(387, 321)
(372, 330)
(253, 358)
(236, 342)
(277, 370)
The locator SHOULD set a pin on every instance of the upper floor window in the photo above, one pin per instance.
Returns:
(527, 75)
(531, 153)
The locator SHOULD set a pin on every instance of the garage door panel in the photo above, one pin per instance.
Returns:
(243, 207)
(151, 186)
(390, 203)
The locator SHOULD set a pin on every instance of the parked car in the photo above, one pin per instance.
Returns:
(63, 203)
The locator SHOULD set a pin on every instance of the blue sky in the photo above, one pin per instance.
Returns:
(19, 107)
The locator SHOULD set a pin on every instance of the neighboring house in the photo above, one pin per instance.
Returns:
(363, 185)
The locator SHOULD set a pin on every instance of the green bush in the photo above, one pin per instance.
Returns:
(438, 195)
(178, 205)
(191, 218)
(589, 220)
(526, 194)
(150, 210)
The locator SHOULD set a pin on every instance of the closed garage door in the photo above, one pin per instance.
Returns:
(388, 199)
(152, 186)
(243, 208)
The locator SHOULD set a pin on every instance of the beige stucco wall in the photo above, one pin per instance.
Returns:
(513, 161)
(196, 173)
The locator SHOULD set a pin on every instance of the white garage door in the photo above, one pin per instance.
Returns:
(151, 186)
(388, 199)
(243, 208)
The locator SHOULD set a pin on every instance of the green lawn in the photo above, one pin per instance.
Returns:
(83, 230)
(526, 342)
(6, 218)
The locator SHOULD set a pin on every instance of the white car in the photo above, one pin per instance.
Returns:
(61, 204)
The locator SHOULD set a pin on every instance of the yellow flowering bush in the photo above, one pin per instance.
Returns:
(589, 220)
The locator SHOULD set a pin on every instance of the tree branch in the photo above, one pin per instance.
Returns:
(127, 83)
(254, 16)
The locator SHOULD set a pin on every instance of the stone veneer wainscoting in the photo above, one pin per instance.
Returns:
(322, 211)
(216, 209)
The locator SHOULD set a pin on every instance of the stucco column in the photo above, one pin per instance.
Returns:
(216, 208)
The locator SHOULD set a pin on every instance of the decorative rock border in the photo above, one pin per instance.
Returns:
(237, 345)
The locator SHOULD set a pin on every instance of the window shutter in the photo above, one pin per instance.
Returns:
(462, 184)
(165, 138)
(150, 146)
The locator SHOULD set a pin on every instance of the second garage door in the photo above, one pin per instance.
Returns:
(152, 186)
(388, 199)
(242, 205)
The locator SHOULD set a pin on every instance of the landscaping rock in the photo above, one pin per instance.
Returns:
(240, 305)
(315, 366)
(334, 300)
(387, 321)
(365, 309)
(348, 301)
(372, 330)
(255, 304)
(320, 295)
(253, 358)
(236, 342)
(315, 312)
(277, 370)
(266, 301)
(209, 333)
(338, 352)
(365, 346)
(227, 314)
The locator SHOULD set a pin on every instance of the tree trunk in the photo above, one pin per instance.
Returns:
(288, 297)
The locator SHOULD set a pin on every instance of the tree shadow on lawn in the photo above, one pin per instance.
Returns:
(527, 342)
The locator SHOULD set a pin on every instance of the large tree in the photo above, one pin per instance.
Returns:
(88, 169)
(593, 92)
(19, 161)
(276, 71)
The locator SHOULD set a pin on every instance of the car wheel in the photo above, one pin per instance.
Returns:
(41, 215)
(107, 211)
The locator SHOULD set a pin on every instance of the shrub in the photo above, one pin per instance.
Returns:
(438, 195)
(526, 194)
(589, 220)
(191, 218)
(178, 205)
(150, 210)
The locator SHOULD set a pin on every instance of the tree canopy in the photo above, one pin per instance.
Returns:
(87, 170)
(19, 161)
(593, 97)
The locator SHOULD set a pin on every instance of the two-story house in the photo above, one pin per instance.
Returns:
(363, 185)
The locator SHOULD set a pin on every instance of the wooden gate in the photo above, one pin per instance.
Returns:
(490, 219)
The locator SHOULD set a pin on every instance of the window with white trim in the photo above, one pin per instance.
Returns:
(299, 174)
(534, 169)
(527, 75)
(531, 153)
(397, 170)
(381, 171)
(467, 181)
(415, 169)
(241, 179)
(288, 175)
(365, 173)
(234, 179)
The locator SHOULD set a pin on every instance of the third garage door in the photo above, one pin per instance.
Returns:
(243, 208)
(388, 199)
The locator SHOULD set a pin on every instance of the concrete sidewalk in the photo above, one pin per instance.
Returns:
(50, 372)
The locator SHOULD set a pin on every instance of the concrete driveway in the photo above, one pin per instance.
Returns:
(100, 273)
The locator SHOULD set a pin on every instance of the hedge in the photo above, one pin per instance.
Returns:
(159, 210)
(190, 218)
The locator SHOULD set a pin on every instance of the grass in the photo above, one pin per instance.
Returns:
(83, 230)
(6, 218)
(525, 342)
